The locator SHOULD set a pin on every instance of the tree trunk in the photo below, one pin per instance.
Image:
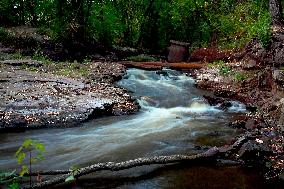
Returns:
(275, 10)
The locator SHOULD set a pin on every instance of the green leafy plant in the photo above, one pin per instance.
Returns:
(220, 64)
(224, 70)
(10, 178)
(3, 34)
(25, 152)
(74, 170)
(239, 77)
(215, 64)
(141, 58)
(41, 57)
(29, 68)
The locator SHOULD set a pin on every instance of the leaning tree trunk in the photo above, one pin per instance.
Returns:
(275, 10)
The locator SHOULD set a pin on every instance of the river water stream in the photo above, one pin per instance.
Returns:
(174, 119)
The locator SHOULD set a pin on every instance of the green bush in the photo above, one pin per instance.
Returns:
(3, 34)
(239, 77)
(224, 70)
(146, 24)
(217, 64)
(141, 58)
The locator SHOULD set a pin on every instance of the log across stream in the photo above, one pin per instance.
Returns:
(174, 119)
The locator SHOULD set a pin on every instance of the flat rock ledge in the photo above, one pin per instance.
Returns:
(36, 100)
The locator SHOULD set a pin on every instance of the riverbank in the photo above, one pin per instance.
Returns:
(260, 87)
(36, 94)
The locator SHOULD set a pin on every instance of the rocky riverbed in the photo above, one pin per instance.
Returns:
(261, 88)
(34, 95)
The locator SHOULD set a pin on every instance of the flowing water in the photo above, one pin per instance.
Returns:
(174, 119)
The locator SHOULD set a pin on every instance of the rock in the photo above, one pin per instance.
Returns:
(265, 80)
(111, 57)
(123, 52)
(281, 177)
(278, 76)
(251, 107)
(238, 124)
(35, 100)
(98, 57)
(272, 55)
(163, 73)
(178, 51)
(113, 72)
(7, 50)
(22, 62)
(254, 150)
(251, 124)
(255, 51)
(280, 121)
(250, 65)
(278, 55)
(218, 101)
(213, 101)
(225, 92)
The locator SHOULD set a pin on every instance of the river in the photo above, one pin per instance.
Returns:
(174, 119)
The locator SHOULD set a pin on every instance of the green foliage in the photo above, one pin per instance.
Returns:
(29, 68)
(72, 69)
(14, 185)
(26, 150)
(247, 20)
(23, 153)
(38, 55)
(239, 77)
(144, 23)
(141, 58)
(217, 64)
(11, 179)
(73, 169)
(70, 178)
(224, 70)
(4, 36)
(261, 29)
(7, 177)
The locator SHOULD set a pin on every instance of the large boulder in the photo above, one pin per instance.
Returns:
(178, 51)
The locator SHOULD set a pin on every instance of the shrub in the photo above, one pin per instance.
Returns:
(224, 70)
(4, 35)
(141, 58)
(239, 77)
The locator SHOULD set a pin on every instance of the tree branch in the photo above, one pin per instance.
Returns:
(210, 155)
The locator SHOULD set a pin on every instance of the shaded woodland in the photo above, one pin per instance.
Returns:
(148, 24)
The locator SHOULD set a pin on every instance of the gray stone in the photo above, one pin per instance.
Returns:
(278, 76)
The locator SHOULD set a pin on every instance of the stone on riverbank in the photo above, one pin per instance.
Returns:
(36, 99)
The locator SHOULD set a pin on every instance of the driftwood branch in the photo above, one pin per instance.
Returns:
(112, 166)
(212, 154)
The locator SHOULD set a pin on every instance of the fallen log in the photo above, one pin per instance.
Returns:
(212, 154)
(112, 166)
(160, 65)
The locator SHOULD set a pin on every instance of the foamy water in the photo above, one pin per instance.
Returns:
(173, 117)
